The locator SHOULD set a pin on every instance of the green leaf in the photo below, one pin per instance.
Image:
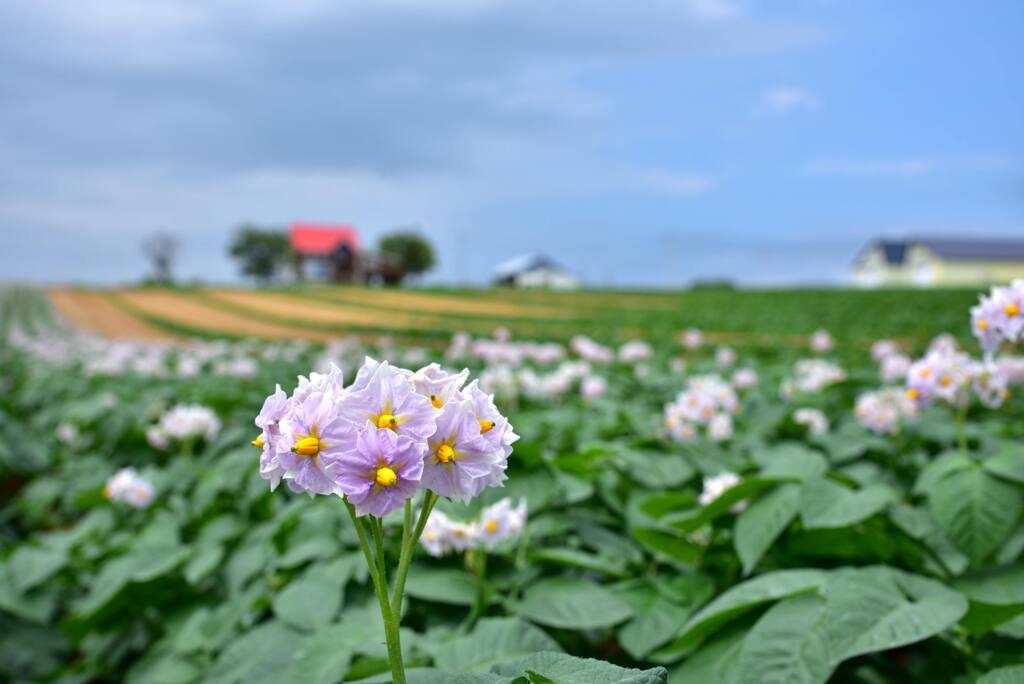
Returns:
(996, 596)
(657, 617)
(264, 654)
(761, 524)
(714, 661)
(791, 461)
(581, 559)
(669, 546)
(1012, 674)
(827, 504)
(322, 658)
(746, 596)
(30, 566)
(309, 602)
(492, 641)
(976, 510)
(1007, 464)
(565, 669)
(788, 645)
(572, 604)
(205, 561)
(879, 608)
(999, 586)
(689, 521)
(441, 585)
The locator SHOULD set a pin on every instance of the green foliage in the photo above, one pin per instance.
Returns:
(260, 252)
(852, 556)
(411, 250)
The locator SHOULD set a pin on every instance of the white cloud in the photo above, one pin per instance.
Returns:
(781, 99)
(677, 183)
(905, 167)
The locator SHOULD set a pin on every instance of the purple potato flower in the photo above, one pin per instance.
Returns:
(381, 472)
(386, 398)
(312, 438)
(437, 384)
(460, 462)
(495, 429)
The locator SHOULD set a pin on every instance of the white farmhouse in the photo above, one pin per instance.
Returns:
(534, 270)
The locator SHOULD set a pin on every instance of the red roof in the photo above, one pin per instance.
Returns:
(322, 238)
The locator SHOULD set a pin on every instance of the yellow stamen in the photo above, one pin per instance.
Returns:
(946, 380)
(386, 477)
(491, 526)
(1012, 309)
(307, 446)
(258, 442)
(386, 420)
(445, 453)
(435, 401)
(982, 324)
(459, 532)
(486, 426)
(913, 393)
(925, 372)
(429, 535)
(106, 492)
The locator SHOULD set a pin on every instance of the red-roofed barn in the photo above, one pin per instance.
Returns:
(325, 251)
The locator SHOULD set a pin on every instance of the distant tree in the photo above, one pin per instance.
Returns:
(259, 251)
(161, 248)
(409, 250)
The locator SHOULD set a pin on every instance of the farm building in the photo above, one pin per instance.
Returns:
(938, 262)
(326, 252)
(534, 270)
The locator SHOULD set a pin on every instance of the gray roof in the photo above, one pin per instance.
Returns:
(955, 249)
(524, 263)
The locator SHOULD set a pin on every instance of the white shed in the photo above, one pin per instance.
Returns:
(534, 270)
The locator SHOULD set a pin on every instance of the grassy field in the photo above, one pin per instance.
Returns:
(745, 318)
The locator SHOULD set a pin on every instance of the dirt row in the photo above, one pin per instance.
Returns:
(94, 312)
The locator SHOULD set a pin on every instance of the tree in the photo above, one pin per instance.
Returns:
(410, 250)
(259, 251)
(160, 248)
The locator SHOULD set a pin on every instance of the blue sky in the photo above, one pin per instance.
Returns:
(639, 144)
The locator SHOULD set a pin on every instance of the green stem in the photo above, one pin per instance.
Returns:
(961, 431)
(409, 541)
(380, 585)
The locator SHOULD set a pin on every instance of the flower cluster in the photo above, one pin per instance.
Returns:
(497, 522)
(589, 350)
(389, 433)
(127, 486)
(162, 359)
(716, 485)
(183, 424)
(554, 384)
(691, 338)
(744, 378)
(635, 351)
(725, 357)
(821, 342)
(593, 387)
(812, 376)
(884, 410)
(999, 317)
(707, 401)
(949, 376)
(813, 419)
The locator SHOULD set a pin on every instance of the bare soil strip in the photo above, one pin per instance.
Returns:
(300, 308)
(435, 303)
(184, 310)
(95, 312)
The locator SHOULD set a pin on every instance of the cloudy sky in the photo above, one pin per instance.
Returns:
(639, 143)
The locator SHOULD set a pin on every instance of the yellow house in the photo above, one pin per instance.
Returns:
(940, 262)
